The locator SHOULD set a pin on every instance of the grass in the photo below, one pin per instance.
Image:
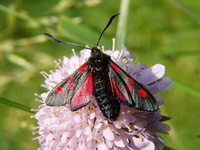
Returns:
(156, 31)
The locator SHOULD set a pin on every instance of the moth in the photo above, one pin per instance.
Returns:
(102, 78)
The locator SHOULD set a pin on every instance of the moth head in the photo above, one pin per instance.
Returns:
(96, 53)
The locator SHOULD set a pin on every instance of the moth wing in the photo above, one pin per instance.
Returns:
(83, 94)
(58, 95)
(70, 89)
(129, 91)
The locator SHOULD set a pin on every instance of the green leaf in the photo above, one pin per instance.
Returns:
(16, 105)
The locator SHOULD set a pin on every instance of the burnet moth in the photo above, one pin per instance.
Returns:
(102, 78)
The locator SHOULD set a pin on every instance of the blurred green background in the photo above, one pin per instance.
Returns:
(158, 31)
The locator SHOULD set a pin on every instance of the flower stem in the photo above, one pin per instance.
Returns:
(16, 105)
(122, 24)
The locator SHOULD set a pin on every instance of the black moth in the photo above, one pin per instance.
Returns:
(102, 78)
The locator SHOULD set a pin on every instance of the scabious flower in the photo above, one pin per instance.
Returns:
(59, 128)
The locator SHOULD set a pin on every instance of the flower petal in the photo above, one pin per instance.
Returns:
(144, 144)
(119, 142)
(87, 131)
(108, 134)
(161, 85)
(152, 74)
(102, 146)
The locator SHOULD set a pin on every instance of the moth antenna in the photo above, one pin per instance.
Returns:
(63, 42)
(109, 22)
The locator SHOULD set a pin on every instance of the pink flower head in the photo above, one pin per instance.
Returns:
(87, 128)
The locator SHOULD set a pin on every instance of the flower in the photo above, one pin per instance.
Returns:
(59, 128)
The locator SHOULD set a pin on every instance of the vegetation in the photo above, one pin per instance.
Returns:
(155, 31)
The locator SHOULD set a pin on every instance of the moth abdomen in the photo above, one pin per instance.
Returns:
(108, 104)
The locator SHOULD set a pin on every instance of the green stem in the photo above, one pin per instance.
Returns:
(16, 105)
(122, 24)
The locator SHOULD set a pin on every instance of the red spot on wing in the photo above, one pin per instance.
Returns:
(83, 94)
(142, 93)
(117, 90)
(115, 67)
(59, 90)
(71, 86)
(129, 87)
(130, 80)
(68, 79)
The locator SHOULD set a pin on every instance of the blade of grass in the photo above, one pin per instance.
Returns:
(182, 53)
(15, 105)
(188, 89)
